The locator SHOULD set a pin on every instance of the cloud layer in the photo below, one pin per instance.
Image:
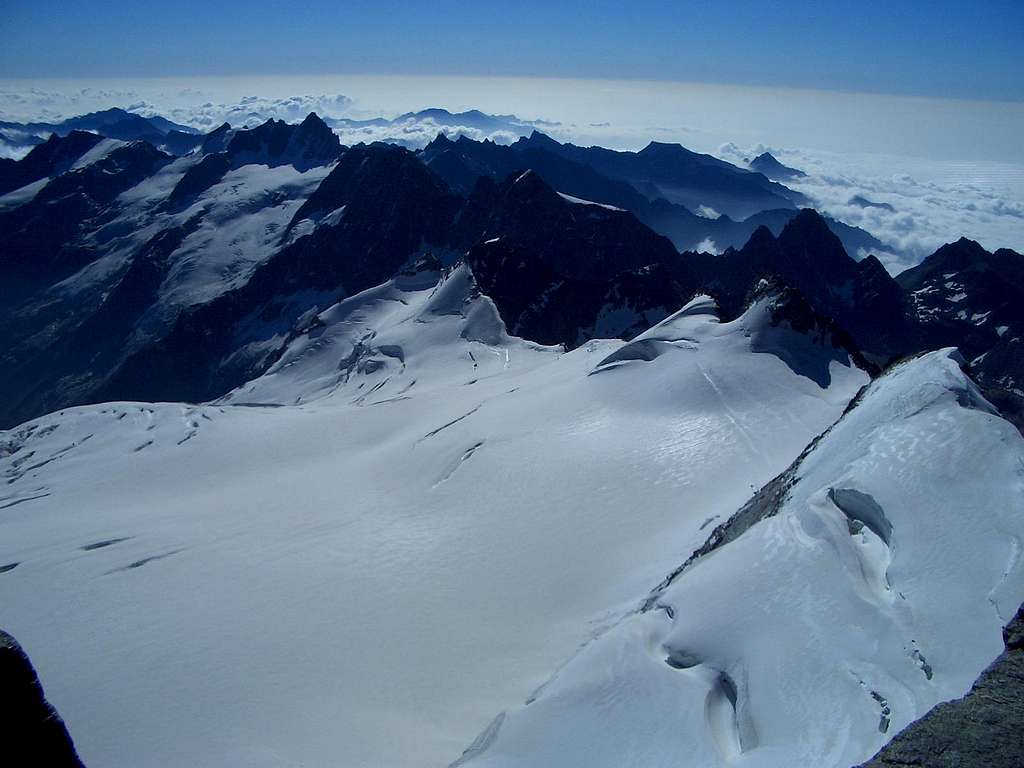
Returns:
(921, 204)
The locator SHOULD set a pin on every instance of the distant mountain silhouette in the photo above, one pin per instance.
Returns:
(461, 162)
(767, 164)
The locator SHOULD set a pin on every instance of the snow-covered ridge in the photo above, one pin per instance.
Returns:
(581, 201)
(875, 588)
(362, 344)
(369, 576)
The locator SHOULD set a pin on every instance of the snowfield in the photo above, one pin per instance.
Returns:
(879, 589)
(413, 524)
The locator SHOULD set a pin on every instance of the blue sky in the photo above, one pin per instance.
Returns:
(938, 48)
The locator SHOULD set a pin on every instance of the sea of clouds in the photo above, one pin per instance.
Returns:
(912, 205)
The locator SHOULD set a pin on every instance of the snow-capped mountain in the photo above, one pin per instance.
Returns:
(358, 538)
(867, 583)
(329, 455)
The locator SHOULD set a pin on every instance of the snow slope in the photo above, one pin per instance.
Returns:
(878, 589)
(243, 219)
(400, 531)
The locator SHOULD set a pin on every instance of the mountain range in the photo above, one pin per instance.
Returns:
(467, 455)
(144, 253)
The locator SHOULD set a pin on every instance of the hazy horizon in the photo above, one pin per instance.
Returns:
(621, 113)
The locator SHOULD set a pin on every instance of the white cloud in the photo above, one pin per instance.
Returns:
(933, 202)
(707, 245)
(417, 133)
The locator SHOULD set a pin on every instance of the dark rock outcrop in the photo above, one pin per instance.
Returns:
(541, 303)
(463, 161)
(199, 178)
(275, 142)
(965, 296)
(984, 729)
(860, 296)
(862, 202)
(179, 142)
(29, 725)
(574, 238)
(51, 158)
(561, 271)
(38, 240)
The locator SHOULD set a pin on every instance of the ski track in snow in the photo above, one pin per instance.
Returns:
(741, 430)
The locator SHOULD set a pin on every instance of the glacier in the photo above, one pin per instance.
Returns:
(413, 520)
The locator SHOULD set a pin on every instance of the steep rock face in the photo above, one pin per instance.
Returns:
(217, 139)
(62, 359)
(37, 239)
(275, 142)
(563, 270)
(51, 158)
(29, 724)
(984, 729)
(540, 303)
(574, 237)
(791, 313)
(964, 293)
(861, 297)
(199, 178)
(176, 142)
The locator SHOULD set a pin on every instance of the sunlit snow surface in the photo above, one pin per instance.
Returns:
(413, 522)
(879, 589)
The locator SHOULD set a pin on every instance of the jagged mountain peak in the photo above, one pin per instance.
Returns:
(51, 158)
(964, 252)
(275, 142)
(528, 185)
(373, 182)
(808, 220)
(787, 307)
(767, 164)
(762, 237)
(537, 139)
(809, 233)
(440, 141)
(217, 140)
